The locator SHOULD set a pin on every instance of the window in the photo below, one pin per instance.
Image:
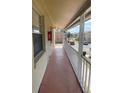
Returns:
(38, 36)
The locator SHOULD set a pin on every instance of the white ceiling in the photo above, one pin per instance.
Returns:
(61, 11)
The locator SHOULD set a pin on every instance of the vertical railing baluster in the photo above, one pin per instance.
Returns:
(83, 73)
(88, 87)
(86, 77)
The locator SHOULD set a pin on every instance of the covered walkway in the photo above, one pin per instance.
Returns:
(59, 76)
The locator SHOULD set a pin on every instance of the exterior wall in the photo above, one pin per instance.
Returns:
(38, 72)
(58, 37)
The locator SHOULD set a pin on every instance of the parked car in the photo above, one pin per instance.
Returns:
(85, 43)
(72, 42)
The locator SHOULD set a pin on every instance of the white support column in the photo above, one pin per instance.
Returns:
(80, 73)
(54, 37)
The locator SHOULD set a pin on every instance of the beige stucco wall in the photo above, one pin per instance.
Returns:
(38, 72)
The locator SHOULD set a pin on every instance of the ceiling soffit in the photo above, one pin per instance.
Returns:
(62, 11)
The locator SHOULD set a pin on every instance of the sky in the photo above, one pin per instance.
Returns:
(87, 27)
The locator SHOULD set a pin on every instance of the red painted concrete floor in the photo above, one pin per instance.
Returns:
(59, 76)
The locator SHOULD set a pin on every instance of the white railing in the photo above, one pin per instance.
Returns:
(86, 74)
(81, 68)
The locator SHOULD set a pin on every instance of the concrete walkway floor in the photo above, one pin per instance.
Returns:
(59, 76)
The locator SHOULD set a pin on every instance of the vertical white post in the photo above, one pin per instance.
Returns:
(80, 70)
(54, 37)
(88, 89)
